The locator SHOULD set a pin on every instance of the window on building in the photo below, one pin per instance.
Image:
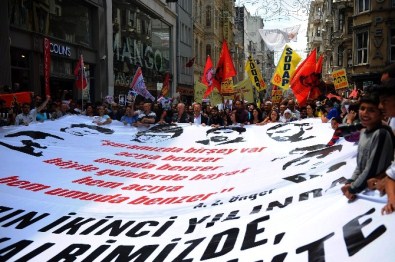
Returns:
(20, 72)
(317, 31)
(197, 51)
(349, 25)
(340, 52)
(392, 45)
(208, 50)
(341, 19)
(362, 47)
(70, 20)
(208, 16)
(216, 19)
(363, 6)
(200, 12)
(201, 52)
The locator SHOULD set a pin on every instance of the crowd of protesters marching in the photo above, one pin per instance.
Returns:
(368, 113)
(240, 112)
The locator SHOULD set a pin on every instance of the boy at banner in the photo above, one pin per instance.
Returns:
(387, 104)
(375, 147)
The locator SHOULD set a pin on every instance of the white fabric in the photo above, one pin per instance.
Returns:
(274, 190)
(275, 39)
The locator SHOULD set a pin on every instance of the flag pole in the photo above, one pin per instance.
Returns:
(82, 83)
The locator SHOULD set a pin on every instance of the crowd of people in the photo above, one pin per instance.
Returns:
(144, 113)
(373, 111)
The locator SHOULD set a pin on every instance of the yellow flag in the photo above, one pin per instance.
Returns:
(285, 68)
(215, 97)
(254, 74)
(244, 88)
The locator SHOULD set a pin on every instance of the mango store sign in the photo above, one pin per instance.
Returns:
(74, 191)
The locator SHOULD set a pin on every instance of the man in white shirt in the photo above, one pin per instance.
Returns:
(29, 116)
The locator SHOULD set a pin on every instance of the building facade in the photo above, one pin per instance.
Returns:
(213, 22)
(185, 57)
(114, 38)
(143, 35)
(72, 29)
(358, 36)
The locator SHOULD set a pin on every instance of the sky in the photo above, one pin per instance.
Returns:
(279, 14)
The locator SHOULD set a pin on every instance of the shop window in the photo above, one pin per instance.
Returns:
(139, 40)
(20, 73)
(65, 20)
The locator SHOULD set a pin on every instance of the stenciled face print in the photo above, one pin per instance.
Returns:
(290, 132)
(85, 130)
(158, 133)
(30, 142)
(223, 135)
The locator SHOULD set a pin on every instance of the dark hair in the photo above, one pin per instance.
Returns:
(390, 70)
(162, 128)
(387, 88)
(234, 128)
(370, 98)
(338, 119)
(278, 114)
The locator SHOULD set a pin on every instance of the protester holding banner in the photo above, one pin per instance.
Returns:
(147, 117)
(256, 116)
(375, 147)
(130, 116)
(288, 117)
(294, 111)
(310, 111)
(198, 118)
(89, 110)
(387, 185)
(273, 117)
(241, 113)
(181, 116)
(215, 119)
(102, 118)
(29, 115)
(5, 115)
(267, 109)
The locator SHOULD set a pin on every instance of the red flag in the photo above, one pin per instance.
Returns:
(305, 81)
(208, 77)
(190, 62)
(14, 99)
(225, 68)
(318, 67)
(79, 71)
(354, 93)
(315, 91)
(166, 85)
(47, 65)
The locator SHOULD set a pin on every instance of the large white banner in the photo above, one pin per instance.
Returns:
(73, 191)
